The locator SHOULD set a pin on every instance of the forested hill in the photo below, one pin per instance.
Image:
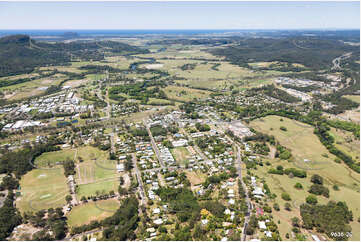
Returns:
(315, 53)
(20, 54)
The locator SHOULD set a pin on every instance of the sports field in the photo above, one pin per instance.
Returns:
(304, 144)
(42, 189)
(95, 173)
(85, 213)
(49, 159)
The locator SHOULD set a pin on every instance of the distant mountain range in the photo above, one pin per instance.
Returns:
(20, 54)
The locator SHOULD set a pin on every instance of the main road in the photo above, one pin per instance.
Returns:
(239, 171)
(139, 179)
(154, 145)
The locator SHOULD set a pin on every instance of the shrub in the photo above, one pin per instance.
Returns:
(298, 185)
(276, 207)
(285, 196)
(319, 190)
(317, 179)
(311, 199)
(283, 128)
(288, 206)
(296, 172)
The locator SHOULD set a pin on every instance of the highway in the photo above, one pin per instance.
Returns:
(337, 61)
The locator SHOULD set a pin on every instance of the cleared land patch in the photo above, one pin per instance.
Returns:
(96, 174)
(42, 189)
(346, 142)
(304, 144)
(181, 155)
(354, 98)
(50, 159)
(185, 93)
(85, 213)
(195, 178)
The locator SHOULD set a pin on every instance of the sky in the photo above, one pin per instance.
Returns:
(179, 15)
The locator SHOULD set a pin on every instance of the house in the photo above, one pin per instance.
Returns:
(258, 191)
(268, 234)
(180, 143)
(120, 167)
(204, 221)
(315, 237)
(262, 225)
(156, 211)
(226, 224)
(259, 211)
(122, 157)
(158, 221)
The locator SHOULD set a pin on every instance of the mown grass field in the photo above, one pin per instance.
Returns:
(85, 213)
(157, 101)
(42, 189)
(95, 173)
(354, 98)
(181, 155)
(304, 144)
(49, 159)
(30, 88)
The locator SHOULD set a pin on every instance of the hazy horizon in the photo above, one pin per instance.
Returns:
(179, 15)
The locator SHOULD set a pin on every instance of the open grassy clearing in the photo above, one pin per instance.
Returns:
(140, 116)
(181, 155)
(350, 115)
(20, 76)
(354, 98)
(299, 138)
(304, 144)
(181, 52)
(120, 62)
(274, 63)
(50, 159)
(95, 173)
(157, 101)
(85, 213)
(76, 83)
(184, 93)
(282, 183)
(220, 77)
(69, 68)
(42, 189)
(195, 177)
(96, 77)
(31, 88)
(346, 142)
